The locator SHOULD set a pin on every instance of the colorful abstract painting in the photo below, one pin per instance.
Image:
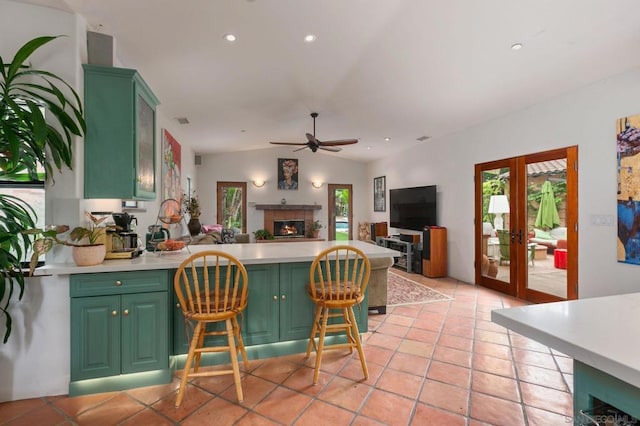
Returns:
(628, 156)
(171, 169)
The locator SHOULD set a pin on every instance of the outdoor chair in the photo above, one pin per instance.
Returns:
(504, 241)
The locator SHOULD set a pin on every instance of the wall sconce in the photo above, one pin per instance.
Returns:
(259, 183)
(316, 184)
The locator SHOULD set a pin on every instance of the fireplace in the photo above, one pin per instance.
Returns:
(290, 228)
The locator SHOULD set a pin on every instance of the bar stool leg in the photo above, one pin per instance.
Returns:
(323, 332)
(356, 334)
(233, 354)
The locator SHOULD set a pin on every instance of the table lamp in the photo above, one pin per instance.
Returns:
(498, 204)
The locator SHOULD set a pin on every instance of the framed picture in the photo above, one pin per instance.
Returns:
(287, 173)
(171, 167)
(379, 194)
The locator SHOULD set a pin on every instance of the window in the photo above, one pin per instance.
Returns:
(32, 193)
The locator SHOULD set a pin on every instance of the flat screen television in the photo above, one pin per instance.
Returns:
(413, 208)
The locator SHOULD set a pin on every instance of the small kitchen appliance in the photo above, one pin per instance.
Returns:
(123, 243)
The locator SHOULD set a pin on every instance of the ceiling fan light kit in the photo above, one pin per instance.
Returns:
(314, 144)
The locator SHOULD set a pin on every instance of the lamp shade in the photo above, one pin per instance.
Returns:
(498, 204)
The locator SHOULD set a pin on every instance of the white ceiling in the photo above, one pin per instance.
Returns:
(379, 68)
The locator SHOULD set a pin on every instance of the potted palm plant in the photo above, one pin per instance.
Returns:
(40, 114)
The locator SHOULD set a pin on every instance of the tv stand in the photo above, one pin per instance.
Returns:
(405, 247)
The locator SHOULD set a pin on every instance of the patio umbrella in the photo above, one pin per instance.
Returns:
(547, 217)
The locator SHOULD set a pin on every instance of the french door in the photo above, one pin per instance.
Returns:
(526, 225)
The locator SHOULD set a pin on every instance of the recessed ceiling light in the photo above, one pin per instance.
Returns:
(229, 37)
(387, 139)
(309, 38)
(516, 46)
(368, 147)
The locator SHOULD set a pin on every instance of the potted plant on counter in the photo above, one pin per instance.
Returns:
(88, 244)
(40, 114)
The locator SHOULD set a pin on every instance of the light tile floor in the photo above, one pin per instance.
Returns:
(442, 363)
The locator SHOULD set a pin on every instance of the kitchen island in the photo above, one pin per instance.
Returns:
(125, 330)
(601, 334)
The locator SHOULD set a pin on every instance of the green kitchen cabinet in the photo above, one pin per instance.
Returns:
(119, 326)
(119, 147)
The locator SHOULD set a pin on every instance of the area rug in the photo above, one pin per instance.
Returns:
(403, 291)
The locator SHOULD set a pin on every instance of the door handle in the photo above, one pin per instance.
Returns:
(513, 236)
(520, 236)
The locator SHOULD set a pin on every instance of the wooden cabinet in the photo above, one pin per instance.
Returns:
(119, 148)
(119, 325)
(434, 252)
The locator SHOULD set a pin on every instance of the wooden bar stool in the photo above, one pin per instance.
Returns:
(212, 288)
(338, 280)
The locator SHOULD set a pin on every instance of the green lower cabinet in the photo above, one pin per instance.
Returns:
(116, 335)
(593, 388)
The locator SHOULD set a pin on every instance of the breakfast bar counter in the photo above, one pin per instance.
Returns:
(602, 336)
(126, 328)
(248, 254)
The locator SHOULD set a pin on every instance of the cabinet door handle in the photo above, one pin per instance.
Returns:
(178, 305)
(275, 297)
(118, 283)
(283, 297)
(114, 313)
(126, 312)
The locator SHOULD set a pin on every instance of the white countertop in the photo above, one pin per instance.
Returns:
(603, 332)
(247, 253)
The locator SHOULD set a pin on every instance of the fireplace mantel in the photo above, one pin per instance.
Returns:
(288, 207)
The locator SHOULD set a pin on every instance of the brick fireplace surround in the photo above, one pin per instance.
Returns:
(273, 212)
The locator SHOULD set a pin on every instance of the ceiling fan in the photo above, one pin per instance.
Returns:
(314, 144)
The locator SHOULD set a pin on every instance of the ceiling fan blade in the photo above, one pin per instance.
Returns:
(300, 149)
(329, 148)
(338, 142)
(312, 138)
(288, 143)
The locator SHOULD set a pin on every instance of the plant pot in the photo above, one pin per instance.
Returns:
(89, 255)
(194, 226)
(316, 233)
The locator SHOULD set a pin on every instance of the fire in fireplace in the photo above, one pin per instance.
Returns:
(292, 228)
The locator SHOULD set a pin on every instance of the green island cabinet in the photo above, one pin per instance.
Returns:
(119, 146)
(119, 327)
(278, 317)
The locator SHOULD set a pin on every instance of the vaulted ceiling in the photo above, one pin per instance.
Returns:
(397, 69)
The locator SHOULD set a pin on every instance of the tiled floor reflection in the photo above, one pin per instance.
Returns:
(442, 363)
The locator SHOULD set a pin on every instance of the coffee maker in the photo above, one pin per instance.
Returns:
(124, 241)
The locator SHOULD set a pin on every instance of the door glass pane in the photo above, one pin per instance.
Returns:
(547, 227)
(495, 224)
(232, 208)
(341, 210)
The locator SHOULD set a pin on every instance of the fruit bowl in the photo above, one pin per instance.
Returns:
(170, 245)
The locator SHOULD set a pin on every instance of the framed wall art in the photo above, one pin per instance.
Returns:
(379, 194)
(628, 158)
(171, 167)
(287, 173)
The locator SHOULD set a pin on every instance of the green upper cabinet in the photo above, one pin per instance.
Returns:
(119, 149)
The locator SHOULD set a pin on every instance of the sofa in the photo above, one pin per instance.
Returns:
(555, 238)
(219, 235)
